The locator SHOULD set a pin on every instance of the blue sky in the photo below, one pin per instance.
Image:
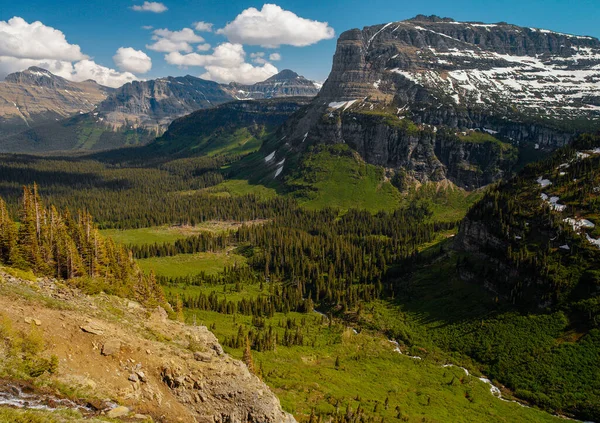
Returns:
(100, 27)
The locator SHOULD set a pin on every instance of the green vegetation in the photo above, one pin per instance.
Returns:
(371, 379)
(152, 235)
(191, 264)
(334, 176)
(22, 353)
(241, 187)
(9, 415)
(56, 244)
(478, 137)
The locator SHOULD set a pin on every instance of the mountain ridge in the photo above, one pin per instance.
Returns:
(133, 114)
(401, 92)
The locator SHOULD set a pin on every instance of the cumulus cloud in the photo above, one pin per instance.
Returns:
(131, 60)
(244, 74)
(203, 47)
(226, 55)
(35, 41)
(273, 26)
(147, 27)
(170, 41)
(203, 26)
(275, 57)
(226, 64)
(88, 69)
(24, 44)
(258, 57)
(151, 6)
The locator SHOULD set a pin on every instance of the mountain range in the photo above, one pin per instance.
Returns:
(43, 112)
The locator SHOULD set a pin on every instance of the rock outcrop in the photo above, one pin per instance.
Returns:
(150, 365)
(395, 90)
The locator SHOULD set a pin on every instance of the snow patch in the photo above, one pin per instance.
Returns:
(270, 157)
(543, 182)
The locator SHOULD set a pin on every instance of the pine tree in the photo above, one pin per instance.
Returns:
(248, 357)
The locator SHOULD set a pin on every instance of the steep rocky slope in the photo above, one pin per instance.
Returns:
(534, 240)
(286, 83)
(113, 352)
(403, 94)
(36, 96)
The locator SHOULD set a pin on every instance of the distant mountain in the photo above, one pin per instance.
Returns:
(286, 83)
(154, 104)
(431, 99)
(133, 114)
(35, 96)
(231, 129)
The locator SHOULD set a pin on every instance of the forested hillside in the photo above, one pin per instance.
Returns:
(59, 245)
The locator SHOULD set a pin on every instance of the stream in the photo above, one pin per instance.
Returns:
(14, 395)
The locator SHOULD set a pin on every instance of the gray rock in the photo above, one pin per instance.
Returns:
(205, 357)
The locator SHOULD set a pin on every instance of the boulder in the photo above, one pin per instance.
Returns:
(117, 412)
(111, 347)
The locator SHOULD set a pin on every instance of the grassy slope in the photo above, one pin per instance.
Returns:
(190, 264)
(306, 378)
(335, 177)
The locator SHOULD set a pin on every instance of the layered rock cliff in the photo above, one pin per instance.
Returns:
(525, 87)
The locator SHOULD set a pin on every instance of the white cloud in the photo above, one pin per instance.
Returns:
(147, 27)
(35, 41)
(203, 47)
(203, 26)
(150, 6)
(131, 60)
(186, 34)
(244, 74)
(275, 57)
(167, 46)
(225, 55)
(170, 41)
(88, 69)
(23, 45)
(273, 26)
(258, 58)
(226, 64)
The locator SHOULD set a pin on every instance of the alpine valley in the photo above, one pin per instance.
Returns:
(418, 240)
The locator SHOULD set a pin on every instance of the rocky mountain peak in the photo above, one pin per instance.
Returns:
(440, 99)
(430, 18)
(36, 76)
(283, 75)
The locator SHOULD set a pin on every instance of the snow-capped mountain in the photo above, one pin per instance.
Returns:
(494, 68)
(411, 96)
(286, 83)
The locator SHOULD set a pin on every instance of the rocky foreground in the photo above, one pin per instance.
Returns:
(129, 362)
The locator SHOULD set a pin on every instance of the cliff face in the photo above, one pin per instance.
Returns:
(526, 87)
(35, 96)
(154, 104)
